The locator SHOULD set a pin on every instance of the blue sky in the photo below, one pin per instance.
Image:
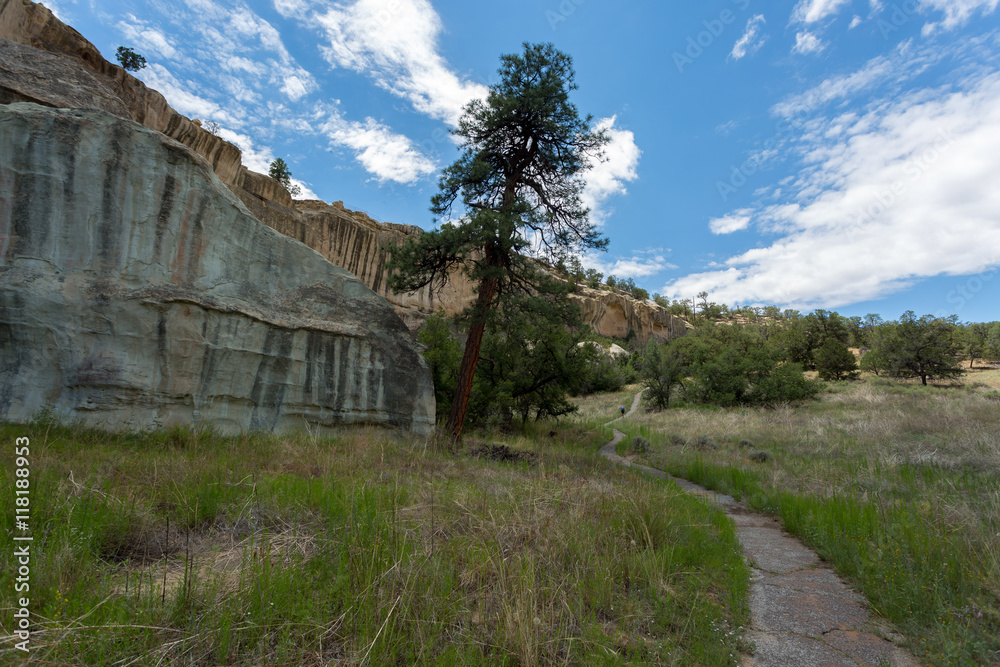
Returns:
(840, 154)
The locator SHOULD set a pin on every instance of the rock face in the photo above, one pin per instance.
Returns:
(135, 288)
(616, 315)
(65, 82)
(45, 61)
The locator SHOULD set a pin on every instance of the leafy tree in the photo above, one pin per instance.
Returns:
(594, 278)
(877, 335)
(734, 365)
(835, 362)
(874, 361)
(517, 179)
(280, 172)
(993, 341)
(663, 368)
(924, 347)
(975, 340)
(640, 294)
(801, 337)
(604, 374)
(129, 59)
(531, 359)
(611, 282)
(443, 353)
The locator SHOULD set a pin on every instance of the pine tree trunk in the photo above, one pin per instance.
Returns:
(459, 405)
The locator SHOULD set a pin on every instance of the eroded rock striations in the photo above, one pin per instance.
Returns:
(136, 289)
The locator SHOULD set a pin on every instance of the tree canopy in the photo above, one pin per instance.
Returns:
(925, 347)
(280, 172)
(514, 192)
(129, 59)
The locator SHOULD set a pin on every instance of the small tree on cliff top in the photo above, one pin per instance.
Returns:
(129, 59)
(279, 171)
(517, 180)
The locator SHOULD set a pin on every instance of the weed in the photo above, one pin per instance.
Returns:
(640, 445)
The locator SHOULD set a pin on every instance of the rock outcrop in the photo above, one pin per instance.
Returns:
(33, 25)
(617, 315)
(136, 289)
(45, 61)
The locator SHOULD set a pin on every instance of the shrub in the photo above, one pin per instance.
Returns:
(705, 442)
(640, 445)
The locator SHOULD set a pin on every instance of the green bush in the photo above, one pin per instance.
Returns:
(835, 362)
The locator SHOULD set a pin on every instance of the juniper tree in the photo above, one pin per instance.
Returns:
(924, 347)
(129, 59)
(514, 191)
(279, 171)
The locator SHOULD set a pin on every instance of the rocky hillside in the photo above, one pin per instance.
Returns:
(47, 62)
(137, 289)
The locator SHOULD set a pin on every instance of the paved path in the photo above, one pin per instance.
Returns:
(801, 612)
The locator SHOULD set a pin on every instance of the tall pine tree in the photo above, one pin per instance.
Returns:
(515, 188)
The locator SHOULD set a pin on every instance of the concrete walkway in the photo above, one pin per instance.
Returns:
(801, 612)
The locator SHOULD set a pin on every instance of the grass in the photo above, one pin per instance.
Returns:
(896, 484)
(181, 547)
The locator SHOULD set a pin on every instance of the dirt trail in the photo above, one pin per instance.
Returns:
(801, 612)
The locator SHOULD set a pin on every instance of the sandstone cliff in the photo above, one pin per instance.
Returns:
(44, 61)
(135, 288)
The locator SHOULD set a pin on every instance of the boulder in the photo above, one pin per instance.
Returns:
(136, 289)
(616, 351)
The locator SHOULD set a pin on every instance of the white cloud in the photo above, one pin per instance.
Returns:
(295, 88)
(292, 8)
(259, 159)
(733, 222)
(956, 12)
(874, 72)
(383, 153)
(608, 177)
(907, 191)
(855, 22)
(811, 11)
(159, 78)
(751, 40)
(395, 42)
(637, 266)
(238, 40)
(146, 39)
(806, 43)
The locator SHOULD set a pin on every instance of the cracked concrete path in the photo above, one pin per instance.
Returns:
(801, 612)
